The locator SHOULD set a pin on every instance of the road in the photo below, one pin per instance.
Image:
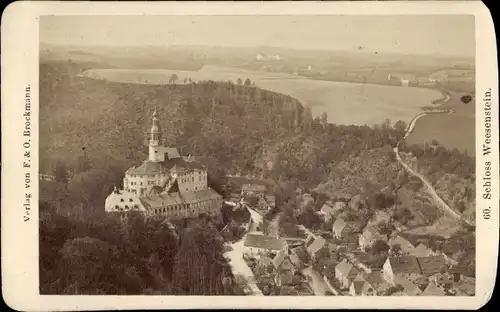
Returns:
(235, 256)
(316, 282)
(439, 202)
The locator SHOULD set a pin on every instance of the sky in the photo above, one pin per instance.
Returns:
(424, 34)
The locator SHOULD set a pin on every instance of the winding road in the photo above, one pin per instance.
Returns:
(438, 201)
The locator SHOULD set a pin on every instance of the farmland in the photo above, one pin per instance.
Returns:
(460, 127)
(345, 103)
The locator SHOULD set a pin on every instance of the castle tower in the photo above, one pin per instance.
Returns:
(155, 139)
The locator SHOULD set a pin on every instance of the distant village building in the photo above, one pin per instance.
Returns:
(327, 211)
(263, 57)
(165, 184)
(256, 244)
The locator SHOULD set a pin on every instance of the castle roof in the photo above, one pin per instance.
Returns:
(178, 165)
(154, 201)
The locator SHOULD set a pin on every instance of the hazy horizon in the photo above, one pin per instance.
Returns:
(409, 34)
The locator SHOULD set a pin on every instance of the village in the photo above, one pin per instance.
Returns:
(338, 258)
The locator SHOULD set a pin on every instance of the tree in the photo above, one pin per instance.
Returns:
(239, 81)
(396, 249)
(61, 172)
(173, 78)
(324, 119)
(379, 247)
(83, 162)
(248, 82)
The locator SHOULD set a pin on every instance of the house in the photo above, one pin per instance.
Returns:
(270, 201)
(400, 266)
(432, 264)
(283, 278)
(422, 251)
(405, 246)
(443, 280)
(265, 265)
(282, 263)
(327, 212)
(409, 288)
(345, 273)
(465, 287)
(253, 190)
(356, 203)
(261, 244)
(433, 290)
(340, 228)
(299, 257)
(360, 287)
(369, 236)
(314, 244)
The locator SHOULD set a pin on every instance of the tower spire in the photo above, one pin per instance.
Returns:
(155, 138)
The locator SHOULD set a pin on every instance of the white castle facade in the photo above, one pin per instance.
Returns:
(166, 183)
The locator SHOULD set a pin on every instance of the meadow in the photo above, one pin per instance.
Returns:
(344, 102)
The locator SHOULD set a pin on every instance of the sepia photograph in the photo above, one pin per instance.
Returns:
(258, 154)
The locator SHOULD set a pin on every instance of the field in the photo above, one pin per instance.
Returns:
(345, 103)
(453, 131)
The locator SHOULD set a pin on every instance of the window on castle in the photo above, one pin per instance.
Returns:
(136, 206)
(126, 207)
(130, 200)
(116, 207)
(122, 200)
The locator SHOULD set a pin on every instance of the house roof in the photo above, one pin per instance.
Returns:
(421, 251)
(404, 265)
(375, 277)
(327, 209)
(263, 241)
(405, 245)
(316, 244)
(253, 188)
(279, 258)
(301, 253)
(466, 286)
(410, 289)
(431, 265)
(347, 269)
(371, 233)
(358, 286)
(339, 225)
(433, 290)
(265, 260)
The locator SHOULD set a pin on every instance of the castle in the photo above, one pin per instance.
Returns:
(165, 184)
